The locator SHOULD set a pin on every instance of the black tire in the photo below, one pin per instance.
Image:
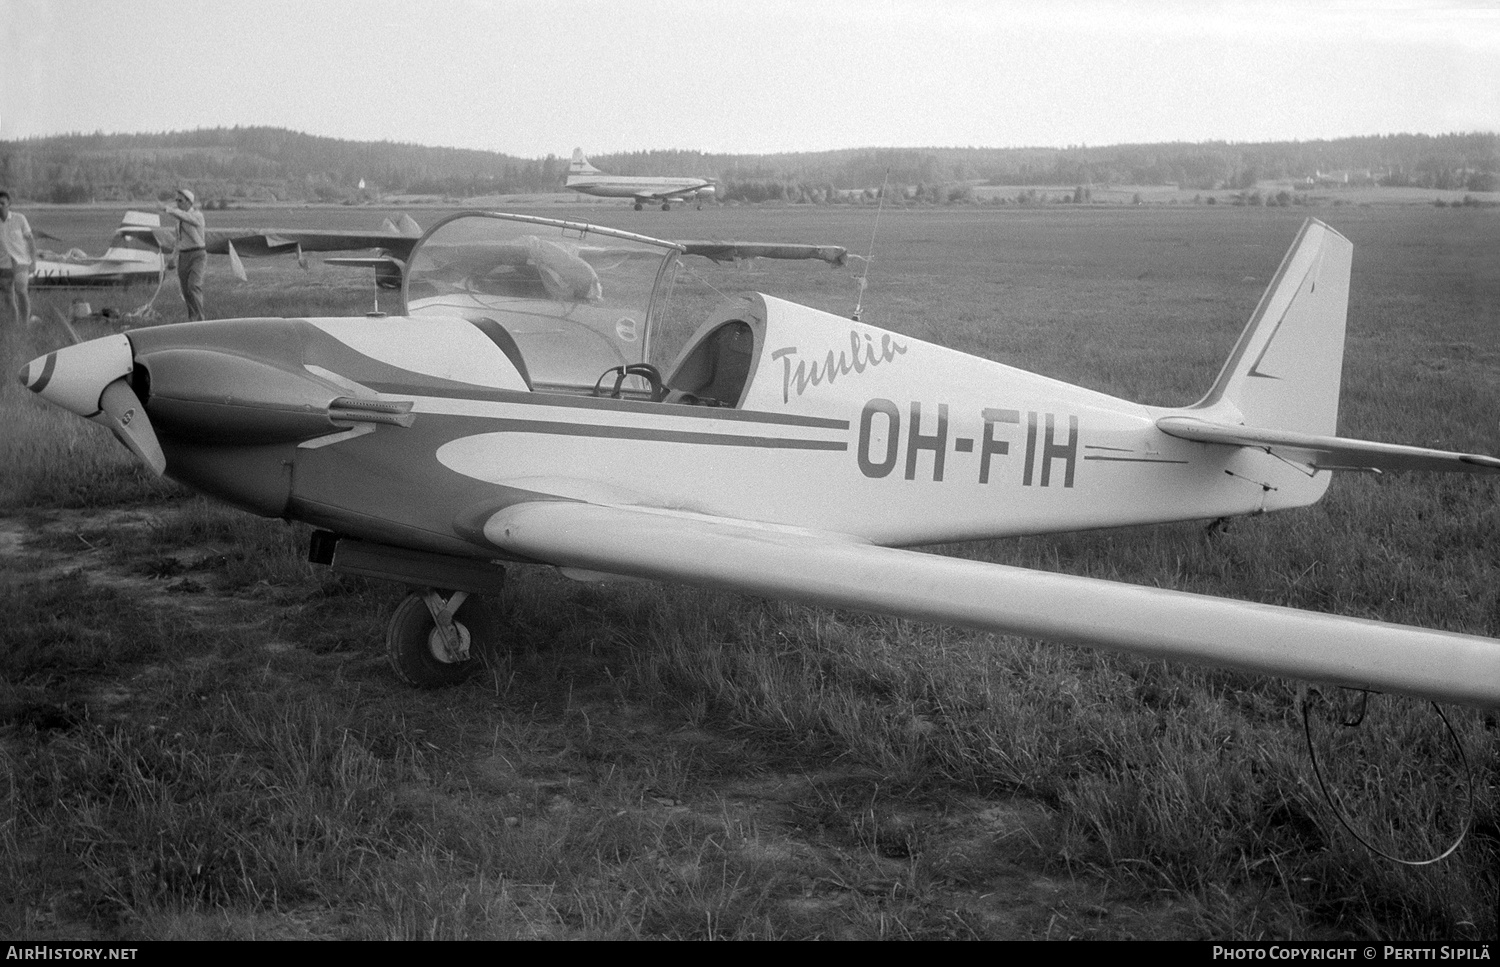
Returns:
(409, 647)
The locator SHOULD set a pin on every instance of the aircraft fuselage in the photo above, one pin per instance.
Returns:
(621, 186)
(844, 431)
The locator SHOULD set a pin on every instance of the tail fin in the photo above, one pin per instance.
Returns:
(145, 229)
(580, 164)
(135, 219)
(1284, 372)
(1279, 392)
(139, 233)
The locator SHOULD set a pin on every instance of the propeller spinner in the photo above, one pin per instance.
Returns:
(91, 379)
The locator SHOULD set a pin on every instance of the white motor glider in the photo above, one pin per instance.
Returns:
(525, 410)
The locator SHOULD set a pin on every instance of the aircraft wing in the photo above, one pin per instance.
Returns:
(734, 251)
(377, 262)
(663, 194)
(1328, 452)
(278, 241)
(844, 571)
(388, 270)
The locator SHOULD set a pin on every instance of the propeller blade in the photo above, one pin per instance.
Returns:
(122, 411)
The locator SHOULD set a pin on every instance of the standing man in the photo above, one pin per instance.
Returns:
(192, 260)
(17, 256)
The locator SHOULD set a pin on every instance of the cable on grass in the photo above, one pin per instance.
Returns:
(1303, 705)
(146, 311)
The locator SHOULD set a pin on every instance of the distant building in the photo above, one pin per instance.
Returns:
(1344, 177)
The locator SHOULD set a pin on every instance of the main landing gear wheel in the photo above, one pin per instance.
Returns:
(638, 206)
(666, 207)
(432, 642)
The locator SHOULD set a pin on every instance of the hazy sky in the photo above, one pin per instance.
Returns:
(532, 78)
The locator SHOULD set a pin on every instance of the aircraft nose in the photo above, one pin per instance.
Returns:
(75, 377)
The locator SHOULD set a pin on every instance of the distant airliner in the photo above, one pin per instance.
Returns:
(584, 177)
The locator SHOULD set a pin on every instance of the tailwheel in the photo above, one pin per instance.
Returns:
(433, 642)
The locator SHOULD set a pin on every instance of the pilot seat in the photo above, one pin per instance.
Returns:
(715, 368)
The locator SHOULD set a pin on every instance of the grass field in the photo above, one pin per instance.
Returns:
(199, 737)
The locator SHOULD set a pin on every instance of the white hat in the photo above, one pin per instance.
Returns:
(188, 194)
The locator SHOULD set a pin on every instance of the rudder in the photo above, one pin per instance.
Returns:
(580, 165)
(1285, 371)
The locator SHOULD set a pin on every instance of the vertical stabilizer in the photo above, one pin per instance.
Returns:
(140, 238)
(1284, 372)
(135, 219)
(580, 165)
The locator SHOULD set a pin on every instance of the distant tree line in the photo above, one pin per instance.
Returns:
(1456, 161)
(274, 164)
(257, 164)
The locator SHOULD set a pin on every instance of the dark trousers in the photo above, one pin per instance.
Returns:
(190, 267)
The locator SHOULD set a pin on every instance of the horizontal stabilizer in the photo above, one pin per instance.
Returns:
(841, 571)
(1328, 452)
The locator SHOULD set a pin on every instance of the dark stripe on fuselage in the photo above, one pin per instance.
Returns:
(483, 425)
(481, 394)
(1132, 459)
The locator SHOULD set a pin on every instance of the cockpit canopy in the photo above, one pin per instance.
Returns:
(577, 299)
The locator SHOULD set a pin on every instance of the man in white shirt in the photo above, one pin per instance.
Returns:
(192, 260)
(17, 256)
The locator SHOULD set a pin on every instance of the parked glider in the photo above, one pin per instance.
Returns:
(134, 255)
(521, 412)
(585, 178)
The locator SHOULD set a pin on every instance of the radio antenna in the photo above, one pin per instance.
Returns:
(864, 277)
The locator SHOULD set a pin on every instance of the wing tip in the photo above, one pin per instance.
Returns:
(1480, 460)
